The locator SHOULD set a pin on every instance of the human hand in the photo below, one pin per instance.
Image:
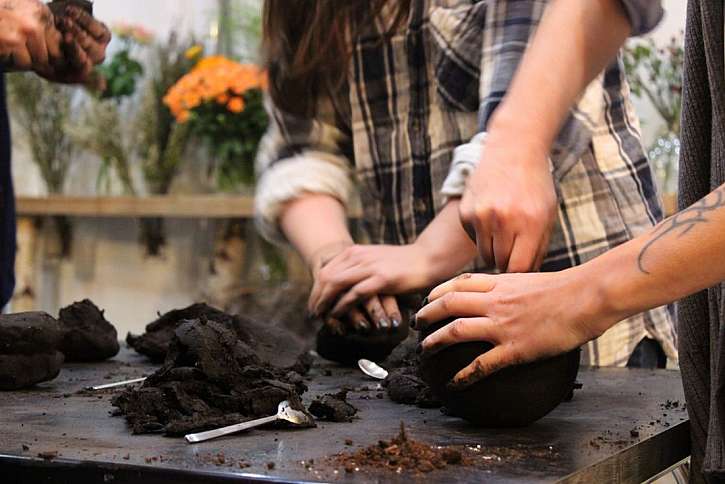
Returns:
(61, 49)
(525, 316)
(360, 272)
(28, 37)
(84, 42)
(510, 204)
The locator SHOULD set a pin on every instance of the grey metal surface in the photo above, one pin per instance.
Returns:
(623, 424)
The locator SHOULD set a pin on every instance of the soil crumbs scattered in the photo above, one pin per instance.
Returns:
(210, 379)
(402, 454)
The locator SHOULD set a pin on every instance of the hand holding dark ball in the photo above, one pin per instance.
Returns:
(516, 396)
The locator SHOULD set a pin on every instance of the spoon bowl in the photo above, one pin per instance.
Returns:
(372, 369)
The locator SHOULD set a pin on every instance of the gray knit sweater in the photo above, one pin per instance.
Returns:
(701, 325)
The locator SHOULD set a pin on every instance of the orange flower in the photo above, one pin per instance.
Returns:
(215, 79)
(236, 105)
(183, 116)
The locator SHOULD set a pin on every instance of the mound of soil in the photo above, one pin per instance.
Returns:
(273, 344)
(513, 397)
(333, 408)
(402, 454)
(155, 342)
(87, 335)
(211, 378)
(28, 349)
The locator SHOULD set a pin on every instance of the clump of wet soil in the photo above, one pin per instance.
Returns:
(273, 343)
(402, 454)
(155, 342)
(29, 349)
(87, 335)
(333, 407)
(210, 378)
(403, 384)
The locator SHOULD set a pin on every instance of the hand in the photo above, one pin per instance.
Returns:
(61, 49)
(360, 272)
(377, 314)
(28, 37)
(85, 40)
(526, 316)
(510, 203)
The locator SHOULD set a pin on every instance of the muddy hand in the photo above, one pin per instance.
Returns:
(521, 314)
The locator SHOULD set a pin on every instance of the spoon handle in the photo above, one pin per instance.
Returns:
(213, 434)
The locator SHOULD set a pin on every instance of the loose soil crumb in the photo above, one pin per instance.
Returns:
(402, 454)
(210, 379)
(49, 455)
(333, 407)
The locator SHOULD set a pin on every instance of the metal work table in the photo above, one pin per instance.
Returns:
(623, 426)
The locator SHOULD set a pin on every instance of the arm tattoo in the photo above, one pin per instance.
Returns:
(683, 222)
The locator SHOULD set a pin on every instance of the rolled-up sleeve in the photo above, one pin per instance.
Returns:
(299, 156)
(644, 15)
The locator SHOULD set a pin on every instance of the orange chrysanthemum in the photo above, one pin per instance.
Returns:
(236, 105)
(214, 79)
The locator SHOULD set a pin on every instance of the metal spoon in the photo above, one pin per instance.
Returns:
(284, 412)
(117, 384)
(372, 369)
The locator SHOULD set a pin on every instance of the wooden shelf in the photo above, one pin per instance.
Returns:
(187, 206)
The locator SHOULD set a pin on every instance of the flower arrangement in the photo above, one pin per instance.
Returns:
(655, 74)
(222, 101)
(117, 78)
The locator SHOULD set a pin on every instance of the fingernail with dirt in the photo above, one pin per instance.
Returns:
(363, 326)
(396, 323)
(384, 323)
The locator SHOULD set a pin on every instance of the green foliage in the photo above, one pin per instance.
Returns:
(160, 141)
(121, 75)
(233, 138)
(42, 110)
(240, 29)
(101, 131)
(655, 73)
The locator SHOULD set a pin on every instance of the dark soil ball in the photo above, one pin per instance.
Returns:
(513, 397)
(348, 348)
(88, 336)
(22, 371)
(58, 6)
(29, 333)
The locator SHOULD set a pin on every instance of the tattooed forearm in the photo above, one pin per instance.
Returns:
(683, 222)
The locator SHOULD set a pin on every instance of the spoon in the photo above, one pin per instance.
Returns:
(372, 369)
(284, 412)
(117, 384)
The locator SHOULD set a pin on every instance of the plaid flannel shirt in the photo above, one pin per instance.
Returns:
(411, 125)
